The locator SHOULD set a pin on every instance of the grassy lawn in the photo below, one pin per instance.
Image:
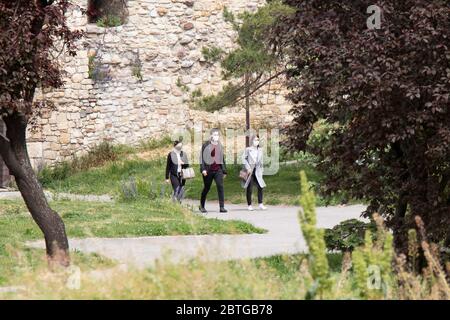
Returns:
(138, 218)
(282, 188)
(106, 179)
(16, 260)
(277, 277)
(89, 219)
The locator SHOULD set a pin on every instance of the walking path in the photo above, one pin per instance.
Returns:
(6, 194)
(283, 237)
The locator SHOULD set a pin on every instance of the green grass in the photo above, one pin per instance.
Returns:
(92, 219)
(101, 219)
(107, 168)
(276, 277)
(107, 179)
(282, 188)
(287, 265)
(16, 260)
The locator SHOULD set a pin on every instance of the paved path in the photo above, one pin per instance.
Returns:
(51, 196)
(283, 237)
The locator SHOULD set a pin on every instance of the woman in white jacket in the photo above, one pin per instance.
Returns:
(252, 159)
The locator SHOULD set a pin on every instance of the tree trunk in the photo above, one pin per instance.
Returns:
(247, 110)
(14, 152)
(399, 230)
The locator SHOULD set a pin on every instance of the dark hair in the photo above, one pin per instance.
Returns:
(180, 139)
(214, 130)
(253, 138)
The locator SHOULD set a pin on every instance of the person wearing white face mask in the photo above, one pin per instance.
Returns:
(212, 167)
(176, 161)
(252, 160)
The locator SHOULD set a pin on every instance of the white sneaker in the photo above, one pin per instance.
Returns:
(250, 208)
(262, 207)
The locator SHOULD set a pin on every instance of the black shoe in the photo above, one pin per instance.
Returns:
(223, 210)
(202, 209)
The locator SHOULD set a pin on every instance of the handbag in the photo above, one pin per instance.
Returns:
(243, 174)
(188, 173)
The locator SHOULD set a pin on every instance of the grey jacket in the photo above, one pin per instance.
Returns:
(206, 160)
(252, 159)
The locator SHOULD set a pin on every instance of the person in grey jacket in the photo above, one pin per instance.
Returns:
(252, 160)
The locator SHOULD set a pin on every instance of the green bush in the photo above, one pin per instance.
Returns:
(212, 54)
(347, 235)
(303, 157)
(97, 156)
(59, 172)
(137, 72)
(314, 237)
(155, 143)
(109, 21)
(373, 262)
(132, 189)
(91, 66)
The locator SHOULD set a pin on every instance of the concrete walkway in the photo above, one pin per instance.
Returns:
(6, 194)
(283, 237)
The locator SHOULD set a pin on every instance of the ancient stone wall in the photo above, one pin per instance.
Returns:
(134, 81)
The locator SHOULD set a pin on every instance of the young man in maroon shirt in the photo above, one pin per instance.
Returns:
(212, 167)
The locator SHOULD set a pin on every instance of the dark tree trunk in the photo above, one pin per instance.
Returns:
(14, 152)
(400, 236)
(247, 110)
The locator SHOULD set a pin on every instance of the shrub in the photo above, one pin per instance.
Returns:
(91, 66)
(303, 157)
(372, 263)
(430, 282)
(128, 190)
(59, 172)
(212, 54)
(97, 70)
(315, 239)
(347, 235)
(181, 85)
(155, 143)
(109, 21)
(133, 189)
(137, 72)
(97, 156)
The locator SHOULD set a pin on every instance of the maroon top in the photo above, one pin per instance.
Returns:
(214, 166)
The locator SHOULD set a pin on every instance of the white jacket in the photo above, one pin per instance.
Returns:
(253, 158)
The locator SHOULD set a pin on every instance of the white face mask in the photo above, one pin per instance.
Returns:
(255, 143)
(179, 147)
(215, 137)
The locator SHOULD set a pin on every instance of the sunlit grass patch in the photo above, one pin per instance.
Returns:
(97, 219)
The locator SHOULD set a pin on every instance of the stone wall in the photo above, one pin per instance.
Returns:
(133, 82)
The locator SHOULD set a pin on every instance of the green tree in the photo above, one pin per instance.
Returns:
(251, 65)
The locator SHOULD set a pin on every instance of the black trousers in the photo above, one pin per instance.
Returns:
(177, 182)
(253, 180)
(217, 176)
